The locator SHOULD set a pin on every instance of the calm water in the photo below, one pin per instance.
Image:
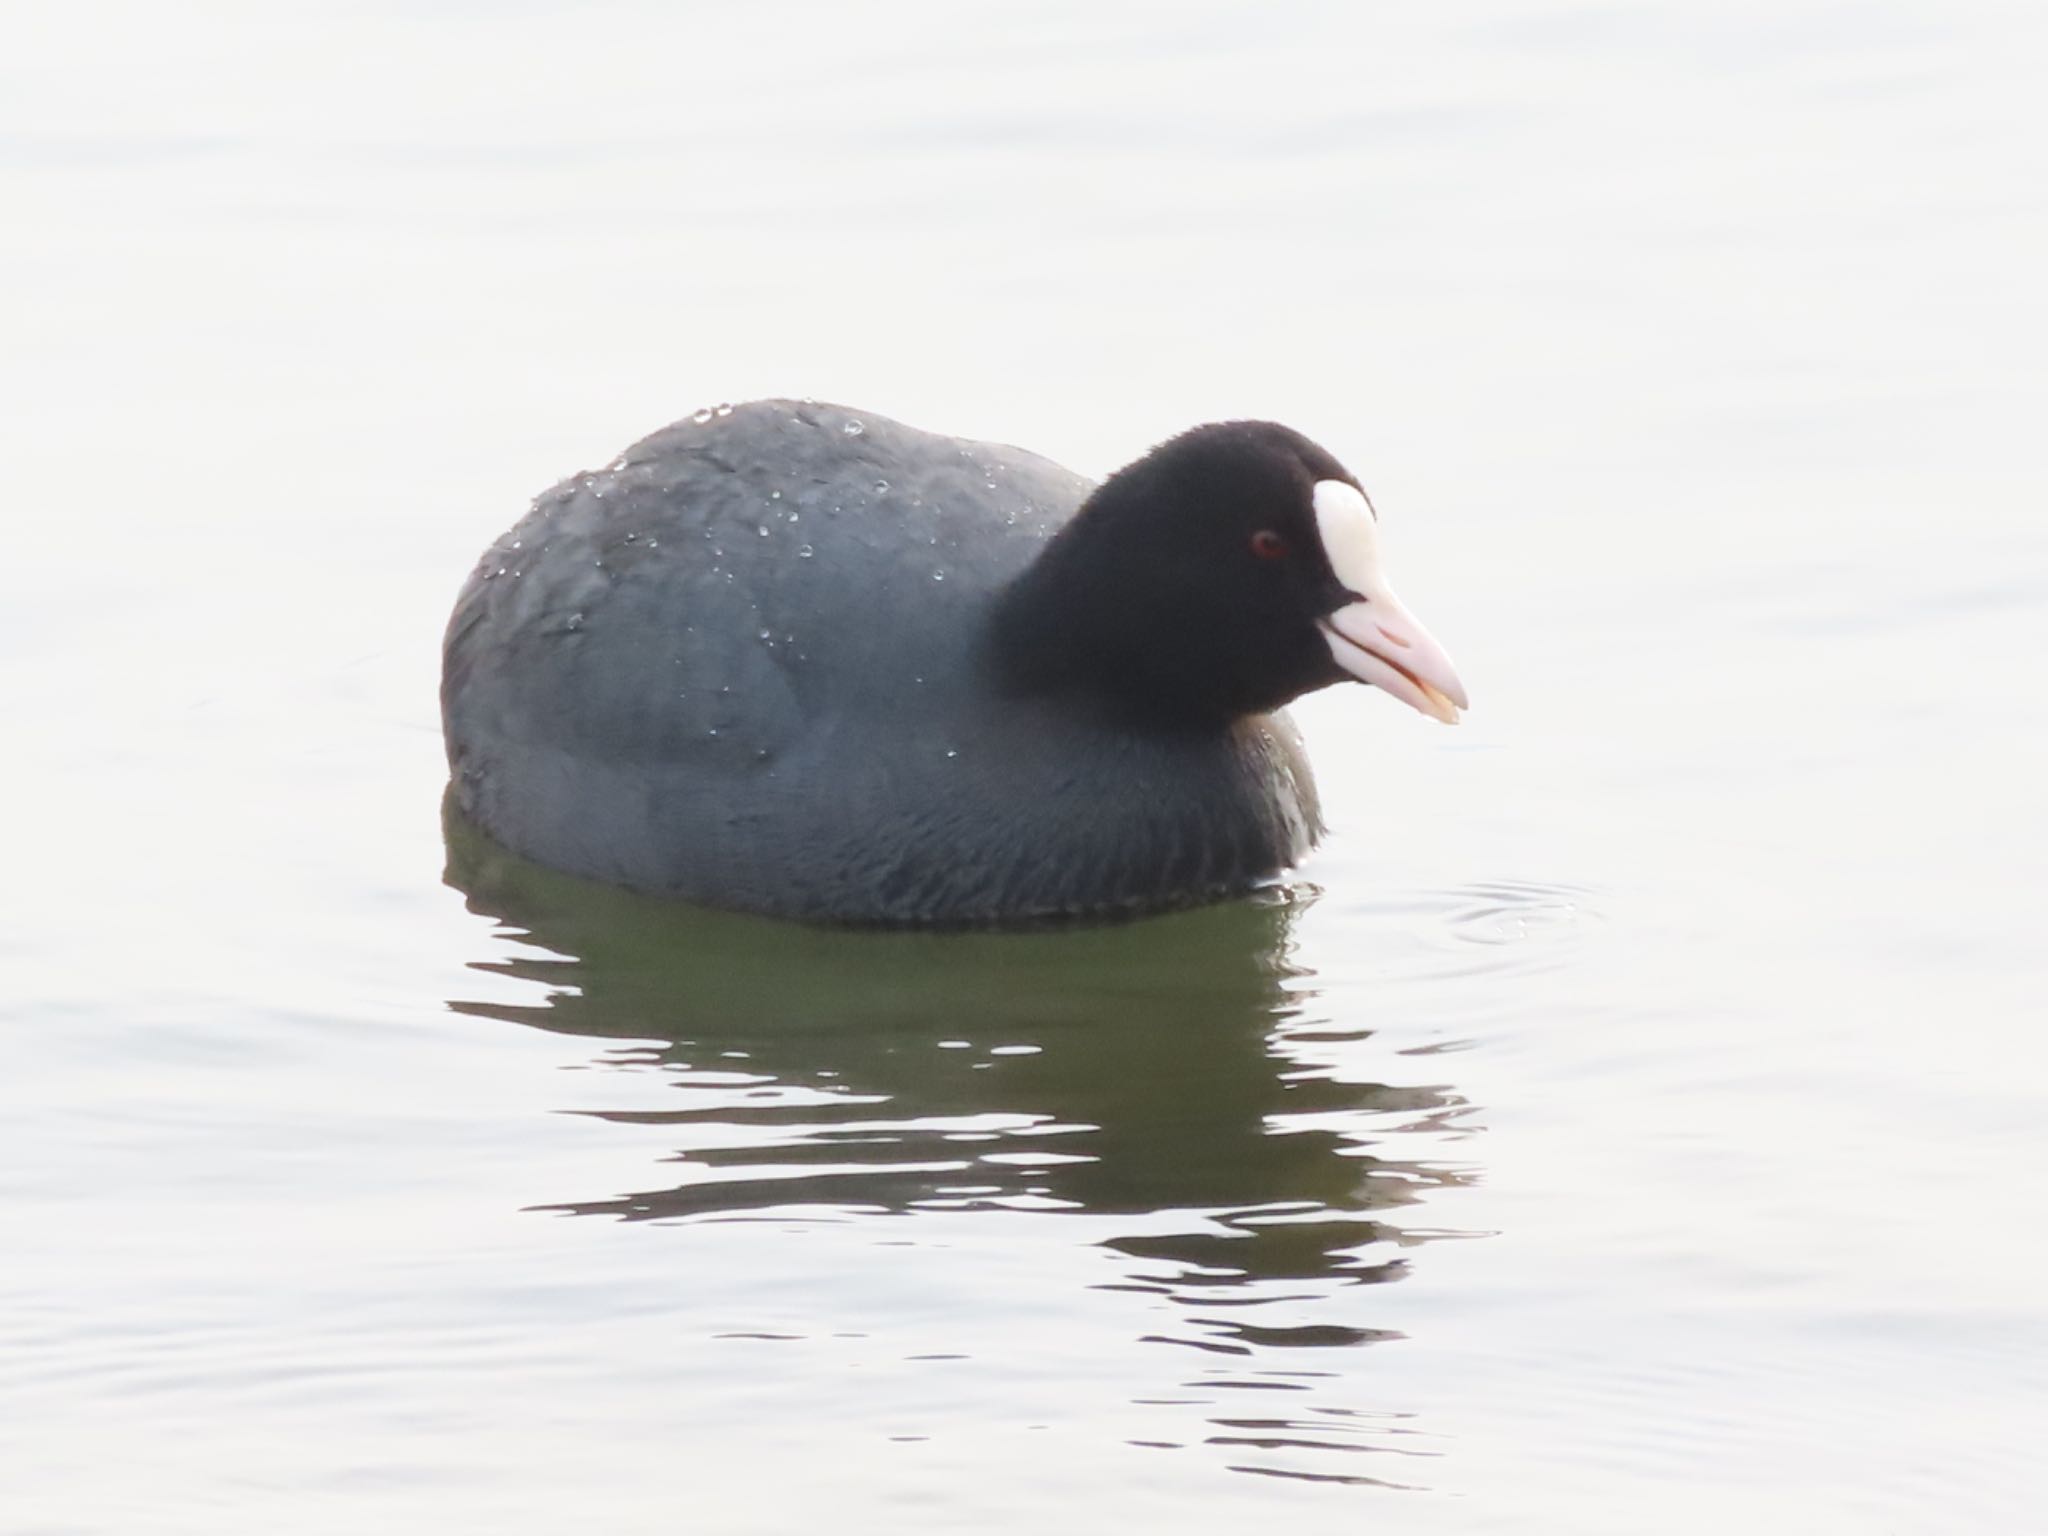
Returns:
(1630, 1121)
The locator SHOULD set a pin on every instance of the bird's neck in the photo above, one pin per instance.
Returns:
(1074, 625)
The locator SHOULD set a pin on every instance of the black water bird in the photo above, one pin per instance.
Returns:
(795, 659)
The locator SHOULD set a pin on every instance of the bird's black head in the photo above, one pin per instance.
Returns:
(1229, 570)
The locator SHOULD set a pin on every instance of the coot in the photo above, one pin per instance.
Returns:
(795, 659)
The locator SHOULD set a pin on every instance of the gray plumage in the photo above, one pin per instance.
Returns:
(748, 665)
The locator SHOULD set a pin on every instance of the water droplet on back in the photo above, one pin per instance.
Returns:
(853, 429)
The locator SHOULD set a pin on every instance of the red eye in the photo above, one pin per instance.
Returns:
(1268, 545)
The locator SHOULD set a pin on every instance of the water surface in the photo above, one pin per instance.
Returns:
(1628, 1121)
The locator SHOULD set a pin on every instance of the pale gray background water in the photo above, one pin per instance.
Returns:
(1667, 1037)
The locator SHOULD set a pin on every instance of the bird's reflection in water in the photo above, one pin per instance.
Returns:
(1171, 1072)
